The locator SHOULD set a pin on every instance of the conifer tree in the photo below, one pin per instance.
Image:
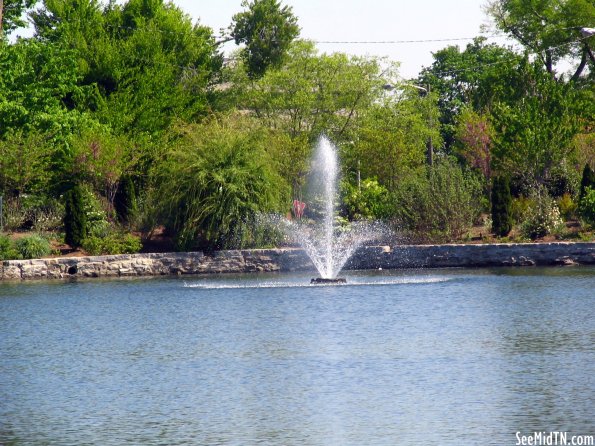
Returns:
(588, 180)
(125, 200)
(75, 219)
(501, 207)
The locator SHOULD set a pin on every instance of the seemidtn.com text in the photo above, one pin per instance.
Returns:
(554, 439)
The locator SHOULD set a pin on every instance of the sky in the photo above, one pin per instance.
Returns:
(369, 20)
(365, 21)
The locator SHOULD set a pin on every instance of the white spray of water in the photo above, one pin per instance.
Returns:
(328, 246)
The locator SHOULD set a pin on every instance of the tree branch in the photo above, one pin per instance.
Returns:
(581, 66)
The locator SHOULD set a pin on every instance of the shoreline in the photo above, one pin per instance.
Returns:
(295, 259)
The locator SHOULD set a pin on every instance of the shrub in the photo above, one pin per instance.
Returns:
(519, 208)
(439, 205)
(543, 217)
(114, 243)
(214, 181)
(370, 202)
(125, 200)
(587, 206)
(567, 206)
(75, 219)
(33, 247)
(587, 180)
(7, 250)
(501, 207)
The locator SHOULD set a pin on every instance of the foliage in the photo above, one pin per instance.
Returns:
(36, 212)
(369, 201)
(113, 243)
(543, 216)
(144, 61)
(534, 134)
(267, 29)
(475, 134)
(520, 208)
(33, 246)
(587, 205)
(476, 77)
(567, 206)
(216, 180)
(75, 219)
(11, 14)
(7, 249)
(439, 204)
(587, 180)
(501, 207)
(311, 93)
(391, 137)
(549, 29)
(125, 200)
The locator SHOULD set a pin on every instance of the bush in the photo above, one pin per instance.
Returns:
(33, 247)
(370, 202)
(439, 205)
(543, 217)
(501, 207)
(519, 208)
(75, 219)
(125, 200)
(7, 250)
(587, 180)
(587, 206)
(214, 181)
(567, 207)
(114, 243)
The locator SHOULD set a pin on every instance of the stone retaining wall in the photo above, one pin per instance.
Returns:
(289, 259)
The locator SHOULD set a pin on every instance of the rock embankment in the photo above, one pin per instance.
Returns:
(291, 259)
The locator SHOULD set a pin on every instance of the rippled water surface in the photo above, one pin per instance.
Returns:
(438, 357)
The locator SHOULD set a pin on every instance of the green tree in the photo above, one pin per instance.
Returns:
(550, 29)
(501, 207)
(390, 137)
(75, 219)
(25, 164)
(534, 131)
(37, 79)
(267, 29)
(11, 14)
(474, 78)
(309, 95)
(146, 62)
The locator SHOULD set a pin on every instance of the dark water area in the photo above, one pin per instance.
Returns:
(455, 357)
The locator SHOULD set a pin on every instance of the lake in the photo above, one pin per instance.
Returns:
(455, 357)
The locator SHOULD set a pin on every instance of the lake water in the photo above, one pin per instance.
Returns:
(455, 357)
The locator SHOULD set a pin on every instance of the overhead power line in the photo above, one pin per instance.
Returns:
(390, 42)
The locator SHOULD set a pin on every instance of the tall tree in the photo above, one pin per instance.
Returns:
(267, 29)
(11, 14)
(149, 63)
(476, 77)
(550, 29)
(535, 129)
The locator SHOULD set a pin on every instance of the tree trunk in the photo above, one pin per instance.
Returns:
(1, 17)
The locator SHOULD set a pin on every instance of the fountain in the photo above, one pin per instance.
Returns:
(328, 245)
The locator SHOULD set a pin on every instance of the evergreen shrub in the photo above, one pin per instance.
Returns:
(75, 218)
(501, 207)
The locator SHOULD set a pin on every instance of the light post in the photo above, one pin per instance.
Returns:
(430, 148)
